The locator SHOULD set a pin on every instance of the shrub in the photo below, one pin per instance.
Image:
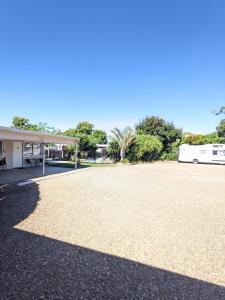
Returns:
(170, 156)
(145, 148)
(113, 151)
(125, 161)
(165, 131)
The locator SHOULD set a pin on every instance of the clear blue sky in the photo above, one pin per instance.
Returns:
(112, 62)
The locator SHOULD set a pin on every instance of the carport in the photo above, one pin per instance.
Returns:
(19, 146)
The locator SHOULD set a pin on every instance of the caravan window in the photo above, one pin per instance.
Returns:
(1, 148)
(215, 152)
(221, 152)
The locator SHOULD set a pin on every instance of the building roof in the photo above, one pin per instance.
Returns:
(8, 133)
(102, 145)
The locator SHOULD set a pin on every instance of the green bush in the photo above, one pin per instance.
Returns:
(113, 151)
(167, 132)
(201, 139)
(145, 148)
(170, 156)
(125, 161)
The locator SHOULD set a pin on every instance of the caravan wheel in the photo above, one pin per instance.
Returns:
(195, 161)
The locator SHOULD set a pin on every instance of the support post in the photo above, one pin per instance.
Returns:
(43, 163)
(75, 164)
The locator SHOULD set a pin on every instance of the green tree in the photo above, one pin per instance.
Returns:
(221, 128)
(84, 128)
(23, 123)
(113, 151)
(165, 131)
(89, 137)
(201, 139)
(71, 132)
(98, 137)
(147, 147)
(221, 111)
(124, 139)
(45, 128)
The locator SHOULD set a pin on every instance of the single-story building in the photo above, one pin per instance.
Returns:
(101, 153)
(21, 147)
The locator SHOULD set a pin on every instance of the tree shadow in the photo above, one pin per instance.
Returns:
(37, 267)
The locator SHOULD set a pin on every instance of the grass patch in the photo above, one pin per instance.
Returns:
(70, 164)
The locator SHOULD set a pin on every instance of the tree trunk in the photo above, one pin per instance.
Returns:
(122, 154)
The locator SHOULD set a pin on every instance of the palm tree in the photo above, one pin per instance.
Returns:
(124, 139)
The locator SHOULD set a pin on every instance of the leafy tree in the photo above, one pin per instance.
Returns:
(71, 132)
(98, 137)
(24, 123)
(221, 111)
(89, 137)
(191, 139)
(124, 139)
(147, 147)
(84, 128)
(221, 128)
(201, 139)
(45, 128)
(165, 131)
(113, 151)
(151, 125)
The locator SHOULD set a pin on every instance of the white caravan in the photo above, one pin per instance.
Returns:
(210, 153)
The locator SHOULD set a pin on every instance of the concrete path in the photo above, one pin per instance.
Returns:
(19, 175)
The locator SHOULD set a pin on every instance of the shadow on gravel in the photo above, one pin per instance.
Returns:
(37, 267)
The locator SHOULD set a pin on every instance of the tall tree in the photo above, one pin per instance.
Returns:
(165, 131)
(84, 128)
(24, 123)
(21, 123)
(221, 111)
(98, 137)
(124, 139)
(89, 137)
(221, 128)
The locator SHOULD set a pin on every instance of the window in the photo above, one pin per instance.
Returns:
(217, 146)
(32, 149)
(1, 150)
(28, 149)
(215, 152)
(36, 149)
(221, 152)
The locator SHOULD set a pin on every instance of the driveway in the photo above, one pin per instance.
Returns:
(19, 175)
(154, 231)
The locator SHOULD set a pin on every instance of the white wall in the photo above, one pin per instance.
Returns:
(8, 153)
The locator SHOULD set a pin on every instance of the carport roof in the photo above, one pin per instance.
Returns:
(7, 133)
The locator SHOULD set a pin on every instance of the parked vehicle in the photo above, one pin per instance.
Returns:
(209, 153)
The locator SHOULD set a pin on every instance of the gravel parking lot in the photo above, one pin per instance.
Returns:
(154, 231)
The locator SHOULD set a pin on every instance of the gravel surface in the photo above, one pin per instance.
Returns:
(154, 231)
